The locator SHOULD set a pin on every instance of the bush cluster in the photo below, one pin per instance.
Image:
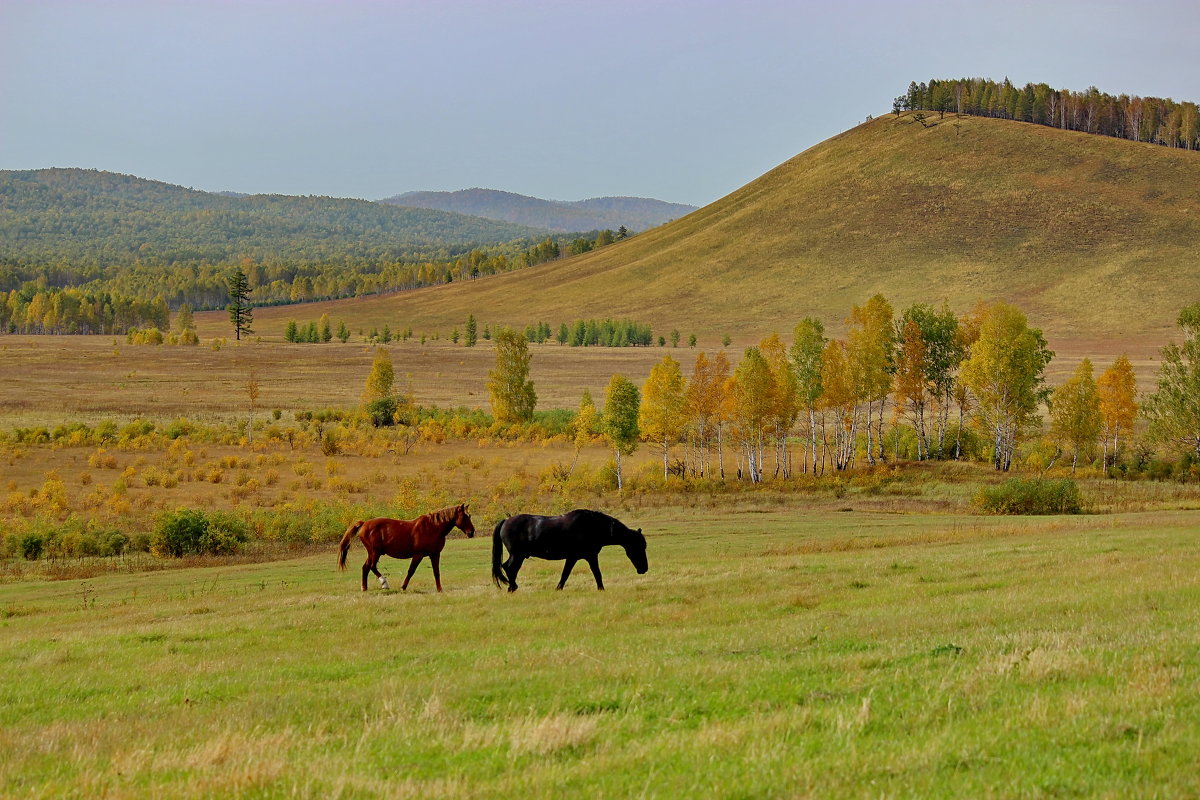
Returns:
(38, 539)
(187, 531)
(1030, 496)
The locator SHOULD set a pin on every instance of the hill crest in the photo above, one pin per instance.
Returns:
(1089, 235)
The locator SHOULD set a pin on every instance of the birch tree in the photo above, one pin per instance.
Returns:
(381, 378)
(1117, 390)
(661, 416)
(910, 380)
(872, 343)
(1006, 376)
(722, 388)
(785, 399)
(841, 396)
(701, 400)
(1174, 409)
(943, 354)
(619, 421)
(512, 394)
(1075, 411)
(808, 342)
(753, 395)
(584, 426)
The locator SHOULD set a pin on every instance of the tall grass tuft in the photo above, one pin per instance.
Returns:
(1030, 496)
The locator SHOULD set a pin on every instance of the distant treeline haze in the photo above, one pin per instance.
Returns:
(1140, 119)
(36, 299)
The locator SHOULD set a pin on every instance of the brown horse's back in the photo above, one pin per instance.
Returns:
(401, 538)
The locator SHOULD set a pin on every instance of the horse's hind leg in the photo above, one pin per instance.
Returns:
(511, 568)
(383, 584)
(411, 569)
(594, 563)
(566, 572)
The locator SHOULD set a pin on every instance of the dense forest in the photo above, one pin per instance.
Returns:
(86, 241)
(60, 301)
(90, 218)
(1140, 119)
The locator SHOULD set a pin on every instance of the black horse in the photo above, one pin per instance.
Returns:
(576, 535)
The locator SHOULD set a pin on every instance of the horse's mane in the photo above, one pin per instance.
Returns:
(443, 514)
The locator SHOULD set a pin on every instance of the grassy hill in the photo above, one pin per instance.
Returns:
(1092, 236)
(107, 219)
(597, 213)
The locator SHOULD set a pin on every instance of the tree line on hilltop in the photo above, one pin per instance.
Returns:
(1140, 119)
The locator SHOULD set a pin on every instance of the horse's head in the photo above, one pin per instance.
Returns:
(462, 521)
(635, 548)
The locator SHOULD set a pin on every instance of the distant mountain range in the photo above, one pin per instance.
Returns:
(598, 213)
(105, 219)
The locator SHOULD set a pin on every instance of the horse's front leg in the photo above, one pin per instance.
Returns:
(435, 561)
(566, 572)
(411, 569)
(594, 563)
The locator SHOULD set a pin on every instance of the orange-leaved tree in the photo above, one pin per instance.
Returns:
(661, 413)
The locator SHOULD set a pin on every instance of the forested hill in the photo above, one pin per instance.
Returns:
(1090, 235)
(90, 218)
(598, 213)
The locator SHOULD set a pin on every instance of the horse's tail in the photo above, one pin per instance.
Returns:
(347, 538)
(498, 576)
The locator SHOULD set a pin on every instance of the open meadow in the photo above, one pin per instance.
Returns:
(50, 380)
(865, 633)
(783, 653)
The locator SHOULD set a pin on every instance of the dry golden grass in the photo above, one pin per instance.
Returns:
(50, 380)
(54, 379)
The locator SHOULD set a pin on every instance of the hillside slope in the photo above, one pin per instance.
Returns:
(597, 213)
(1092, 236)
(105, 218)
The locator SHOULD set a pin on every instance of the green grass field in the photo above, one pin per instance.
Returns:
(789, 653)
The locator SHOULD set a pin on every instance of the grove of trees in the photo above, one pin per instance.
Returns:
(924, 384)
(1141, 119)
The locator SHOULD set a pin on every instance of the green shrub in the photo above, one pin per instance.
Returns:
(31, 546)
(110, 542)
(1030, 496)
(225, 535)
(382, 411)
(190, 532)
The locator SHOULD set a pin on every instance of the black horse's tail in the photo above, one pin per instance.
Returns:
(498, 576)
(347, 539)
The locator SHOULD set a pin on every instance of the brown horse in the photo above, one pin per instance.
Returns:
(398, 538)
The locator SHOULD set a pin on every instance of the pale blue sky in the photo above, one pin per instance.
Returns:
(684, 100)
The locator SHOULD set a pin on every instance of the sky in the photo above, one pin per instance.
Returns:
(681, 100)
